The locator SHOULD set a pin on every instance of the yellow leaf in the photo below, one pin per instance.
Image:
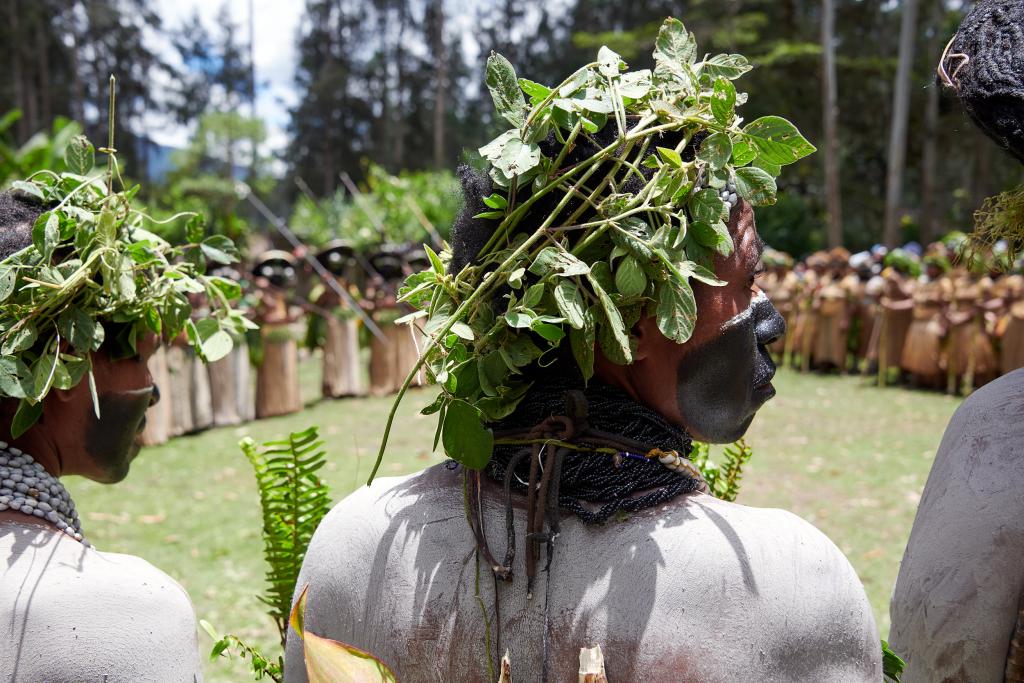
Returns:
(328, 661)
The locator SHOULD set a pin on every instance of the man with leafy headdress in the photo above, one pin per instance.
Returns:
(86, 293)
(957, 605)
(597, 312)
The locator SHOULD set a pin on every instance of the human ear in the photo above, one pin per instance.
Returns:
(647, 337)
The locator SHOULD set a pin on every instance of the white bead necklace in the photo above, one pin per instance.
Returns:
(27, 488)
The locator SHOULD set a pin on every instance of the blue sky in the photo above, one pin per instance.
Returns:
(275, 24)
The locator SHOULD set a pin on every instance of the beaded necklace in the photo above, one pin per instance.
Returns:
(28, 488)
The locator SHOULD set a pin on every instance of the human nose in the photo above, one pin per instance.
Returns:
(770, 325)
(154, 397)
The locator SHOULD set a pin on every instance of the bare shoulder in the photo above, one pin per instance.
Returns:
(57, 591)
(958, 588)
(774, 568)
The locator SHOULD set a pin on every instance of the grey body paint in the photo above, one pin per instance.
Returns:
(961, 579)
(70, 613)
(724, 382)
(698, 589)
(112, 440)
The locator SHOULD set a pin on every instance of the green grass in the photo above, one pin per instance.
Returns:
(849, 458)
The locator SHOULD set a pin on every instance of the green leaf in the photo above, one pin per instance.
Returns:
(496, 201)
(26, 416)
(670, 156)
(464, 331)
(716, 150)
(80, 330)
(743, 152)
(490, 215)
(677, 310)
(777, 140)
(537, 92)
(8, 278)
(28, 188)
(723, 101)
(79, 155)
(464, 436)
(570, 303)
(674, 44)
(629, 277)
(219, 249)
(553, 333)
(614, 324)
(707, 206)
(217, 346)
(635, 84)
(582, 341)
(609, 62)
(533, 295)
(712, 235)
(435, 261)
(46, 234)
(20, 340)
(519, 320)
(555, 259)
(505, 92)
(727, 66)
(755, 185)
(700, 273)
(13, 377)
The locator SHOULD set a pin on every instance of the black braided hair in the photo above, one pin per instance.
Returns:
(18, 213)
(596, 486)
(985, 63)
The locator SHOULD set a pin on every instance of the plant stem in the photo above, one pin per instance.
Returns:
(110, 138)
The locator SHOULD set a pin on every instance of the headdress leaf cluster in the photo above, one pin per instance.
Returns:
(648, 221)
(95, 277)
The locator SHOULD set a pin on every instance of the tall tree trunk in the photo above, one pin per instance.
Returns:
(17, 68)
(42, 45)
(252, 86)
(441, 82)
(928, 222)
(830, 112)
(77, 82)
(898, 129)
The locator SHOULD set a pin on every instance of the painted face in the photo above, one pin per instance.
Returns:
(125, 389)
(714, 383)
(112, 440)
(725, 381)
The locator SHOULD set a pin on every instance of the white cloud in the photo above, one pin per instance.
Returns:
(274, 24)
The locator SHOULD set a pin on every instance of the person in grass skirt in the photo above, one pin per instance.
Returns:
(922, 356)
(342, 370)
(277, 379)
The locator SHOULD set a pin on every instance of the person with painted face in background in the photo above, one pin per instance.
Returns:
(277, 377)
(589, 525)
(67, 611)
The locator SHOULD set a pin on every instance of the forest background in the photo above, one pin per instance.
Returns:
(390, 93)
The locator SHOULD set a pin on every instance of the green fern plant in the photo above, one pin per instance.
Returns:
(723, 478)
(294, 499)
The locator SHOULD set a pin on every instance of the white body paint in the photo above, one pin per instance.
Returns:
(696, 590)
(957, 594)
(70, 614)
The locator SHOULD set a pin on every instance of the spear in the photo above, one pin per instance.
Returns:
(279, 225)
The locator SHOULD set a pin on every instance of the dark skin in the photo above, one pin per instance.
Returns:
(69, 439)
(664, 373)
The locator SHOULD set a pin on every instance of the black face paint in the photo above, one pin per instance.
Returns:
(112, 440)
(724, 382)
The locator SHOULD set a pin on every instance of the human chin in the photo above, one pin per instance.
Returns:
(112, 440)
(722, 384)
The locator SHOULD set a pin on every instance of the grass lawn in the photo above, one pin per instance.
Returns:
(849, 458)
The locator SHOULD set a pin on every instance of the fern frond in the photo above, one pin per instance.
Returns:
(723, 480)
(294, 500)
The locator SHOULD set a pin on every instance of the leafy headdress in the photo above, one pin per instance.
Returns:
(94, 277)
(611, 192)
